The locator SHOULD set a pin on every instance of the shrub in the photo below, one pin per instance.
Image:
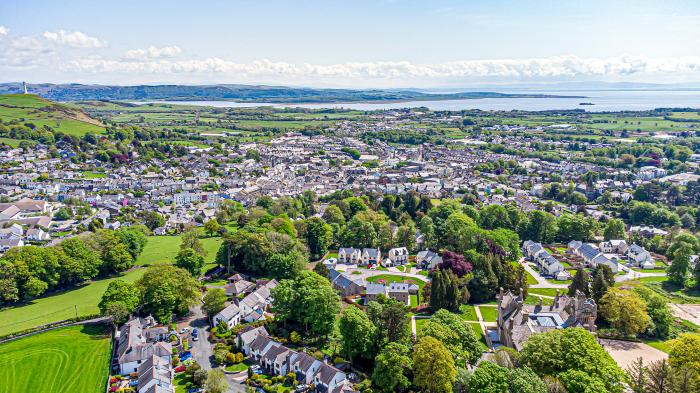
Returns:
(295, 338)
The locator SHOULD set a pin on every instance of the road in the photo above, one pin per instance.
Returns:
(357, 272)
(202, 350)
(629, 275)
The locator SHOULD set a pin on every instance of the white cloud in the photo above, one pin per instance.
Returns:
(75, 39)
(153, 52)
(4, 30)
(548, 67)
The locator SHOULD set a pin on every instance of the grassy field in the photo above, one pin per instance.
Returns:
(69, 360)
(61, 117)
(58, 307)
(163, 249)
(389, 278)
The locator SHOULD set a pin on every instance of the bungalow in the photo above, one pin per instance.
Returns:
(349, 256)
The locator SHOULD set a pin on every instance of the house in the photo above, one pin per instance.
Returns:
(396, 290)
(37, 235)
(370, 256)
(592, 255)
(647, 231)
(517, 321)
(155, 375)
(349, 256)
(231, 316)
(238, 288)
(247, 336)
(6, 244)
(638, 256)
(427, 259)
(400, 292)
(253, 306)
(133, 347)
(276, 359)
(545, 262)
(373, 291)
(345, 284)
(613, 247)
(398, 256)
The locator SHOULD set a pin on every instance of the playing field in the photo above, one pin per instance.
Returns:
(164, 249)
(69, 360)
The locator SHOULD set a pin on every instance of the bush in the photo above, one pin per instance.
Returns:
(295, 338)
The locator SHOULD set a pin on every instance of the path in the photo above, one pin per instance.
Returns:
(202, 349)
(690, 312)
(541, 281)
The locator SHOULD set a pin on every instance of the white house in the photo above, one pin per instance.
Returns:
(349, 256)
(231, 315)
(613, 247)
(370, 256)
(398, 256)
(638, 256)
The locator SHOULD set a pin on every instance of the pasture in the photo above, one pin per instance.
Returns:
(69, 360)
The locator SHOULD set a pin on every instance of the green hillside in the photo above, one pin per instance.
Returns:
(29, 108)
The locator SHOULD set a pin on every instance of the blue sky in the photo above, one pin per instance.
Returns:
(380, 43)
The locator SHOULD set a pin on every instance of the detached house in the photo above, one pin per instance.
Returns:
(349, 256)
(134, 347)
(345, 284)
(398, 256)
(614, 247)
(427, 259)
(370, 256)
(638, 256)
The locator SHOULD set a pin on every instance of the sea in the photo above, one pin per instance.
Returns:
(601, 100)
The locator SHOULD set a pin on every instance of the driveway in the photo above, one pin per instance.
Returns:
(365, 273)
(626, 352)
(690, 312)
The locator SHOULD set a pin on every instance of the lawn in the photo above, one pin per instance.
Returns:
(466, 312)
(488, 313)
(58, 307)
(389, 278)
(530, 279)
(163, 249)
(544, 291)
(476, 327)
(69, 360)
(235, 368)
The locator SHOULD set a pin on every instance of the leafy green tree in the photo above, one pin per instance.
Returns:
(678, 271)
(433, 366)
(216, 382)
(212, 227)
(308, 300)
(120, 299)
(459, 232)
(167, 290)
(489, 378)
(494, 216)
(539, 227)
(134, 238)
(524, 380)
(84, 255)
(356, 331)
(445, 292)
(114, 253)
(391, 367)
(333, 215)
(625, 311)
(484, 283)
(62, 214)
(575, 227)
(214, 301)
(685, 352)
(189, 260)
(427, 229)
(577, 381)
(553, 353)
(454, 333)
(658, 310)
(614, 229)
(151, 219)
(603, 279)
(190, 239)
(318, 236)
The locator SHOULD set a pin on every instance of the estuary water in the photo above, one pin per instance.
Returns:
(602, 100)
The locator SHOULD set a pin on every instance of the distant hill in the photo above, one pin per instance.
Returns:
(30, 108)
(240, 93)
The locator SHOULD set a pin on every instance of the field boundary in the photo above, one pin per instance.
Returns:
(86, 320)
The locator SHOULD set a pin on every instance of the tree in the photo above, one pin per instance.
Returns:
(445, 292)
(212, 227)
(489, 378)
(456, 263)
(433, 366)
(356, 331)
(190, 239)
(524, 380)
(152, 219)
(189, 260)
(579, 283)
(165, 290)
(625, 311)
(658, 310)
(603, 279)
(557, 351)
(333, 215)
(214, 301)
(390, 368)
(406, 236)
(62, 214)
(427, 229)
(678, 271)
(577, 381)
(114, 253)
(318, 236)
(660, 377)
(637, 376)
(134, 238)
(494, 216)
(539, 227)
(685, 352)
(84, 255)
(484, 282)
(216, 382)
(457, 337)
(119, 300)
(308, 300)
(614, 229)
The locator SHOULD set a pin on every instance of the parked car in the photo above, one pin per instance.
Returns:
(184, 330)
(301, 388)
(195, 332)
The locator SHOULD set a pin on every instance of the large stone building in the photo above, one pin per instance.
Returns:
(517, 321)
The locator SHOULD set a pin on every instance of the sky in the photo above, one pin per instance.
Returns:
(343, 43)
